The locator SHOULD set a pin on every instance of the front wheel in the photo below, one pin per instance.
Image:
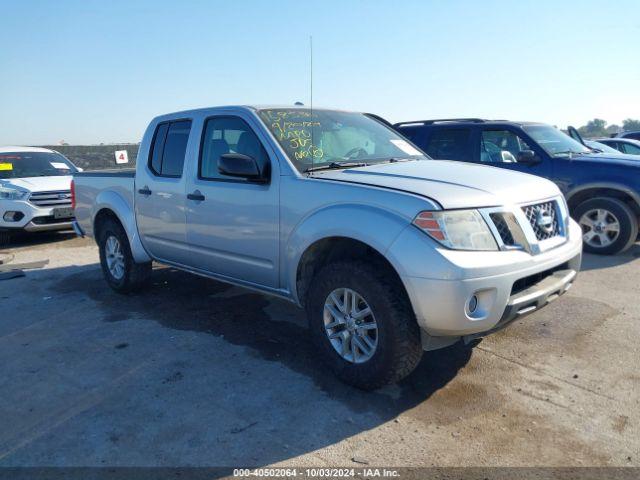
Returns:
(363, 325)
(609, 226)
(120, 270)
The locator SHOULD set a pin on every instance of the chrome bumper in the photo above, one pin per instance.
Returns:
(45, 227)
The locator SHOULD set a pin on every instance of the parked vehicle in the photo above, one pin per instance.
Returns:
(35, 190)
(624, 145)
(600, 147)
(388, 251)
(602, 190)
(633, 135)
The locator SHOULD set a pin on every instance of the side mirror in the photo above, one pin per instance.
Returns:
(528, 157)
(242, 166)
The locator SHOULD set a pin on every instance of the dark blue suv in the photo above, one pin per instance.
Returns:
(602, 189)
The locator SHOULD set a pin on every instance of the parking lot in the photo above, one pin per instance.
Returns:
(196, 372)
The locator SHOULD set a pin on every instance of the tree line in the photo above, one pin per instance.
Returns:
(598, 128)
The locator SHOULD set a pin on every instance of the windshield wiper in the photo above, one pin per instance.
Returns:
(335, 166)
(568, 152)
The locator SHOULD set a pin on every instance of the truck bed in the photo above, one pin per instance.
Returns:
(111, 172)
(97, 188)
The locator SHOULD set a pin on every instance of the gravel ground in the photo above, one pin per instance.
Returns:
(196, 372)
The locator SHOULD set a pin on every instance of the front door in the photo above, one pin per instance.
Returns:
(232, 223)
(504, 148)
(160, 193)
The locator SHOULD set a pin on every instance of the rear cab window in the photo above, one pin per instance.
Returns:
(169, 148)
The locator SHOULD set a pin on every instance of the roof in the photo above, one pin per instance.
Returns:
(16, 149)
(242, 107)
(464, 121)
(632, 141)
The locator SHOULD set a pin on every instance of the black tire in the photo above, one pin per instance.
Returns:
(135, 274)
(628, 221)
(5, 238)
(399, 348)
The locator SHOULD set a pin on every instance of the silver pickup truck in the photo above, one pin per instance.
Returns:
(390, 252)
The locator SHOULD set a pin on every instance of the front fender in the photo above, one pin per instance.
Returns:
(374, 226)
(113, 201)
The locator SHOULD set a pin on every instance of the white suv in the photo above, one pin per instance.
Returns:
(35, 190)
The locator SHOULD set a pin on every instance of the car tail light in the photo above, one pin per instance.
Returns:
(73, 195)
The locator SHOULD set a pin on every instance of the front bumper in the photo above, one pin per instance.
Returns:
(34, 218)
(507, 285)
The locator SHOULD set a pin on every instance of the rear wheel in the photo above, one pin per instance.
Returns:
(363, 325)
(609, 226)
(120, 271)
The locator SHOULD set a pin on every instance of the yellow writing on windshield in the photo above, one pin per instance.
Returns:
(6, 166)
(293, 128)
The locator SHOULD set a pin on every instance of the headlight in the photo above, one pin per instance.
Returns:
(8, 193)
(457, 229)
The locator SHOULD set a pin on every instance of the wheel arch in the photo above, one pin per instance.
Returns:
(111, 205)
(353, 228)
(331, 249)
(577, 196)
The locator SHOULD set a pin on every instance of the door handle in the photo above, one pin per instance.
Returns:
(197, 196)
(144, 191)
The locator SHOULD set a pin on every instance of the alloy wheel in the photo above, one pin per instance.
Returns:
(114, 257)
(600, 227)
(350, 325)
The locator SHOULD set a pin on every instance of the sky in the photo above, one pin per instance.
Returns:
(93, 71)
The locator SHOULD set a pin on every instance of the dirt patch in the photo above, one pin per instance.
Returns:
(620, 423)
(566, 325)
(271, 329)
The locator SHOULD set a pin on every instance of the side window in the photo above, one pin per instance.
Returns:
(617, 146)
(158, 146)
(450, 144)
(632, 149)
(501, 146)
(169, 148)
(228, 135)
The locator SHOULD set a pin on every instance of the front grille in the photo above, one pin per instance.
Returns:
(526, 282)
(58, 198)
(537, 214)
(50, 220)
(502, 228)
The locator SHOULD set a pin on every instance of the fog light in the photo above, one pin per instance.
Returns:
(13, 216)
(472, 304)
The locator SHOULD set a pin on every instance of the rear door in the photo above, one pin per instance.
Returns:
(160, 193)
(232, 223)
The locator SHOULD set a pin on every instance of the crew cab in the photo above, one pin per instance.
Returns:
(602, 189)
(35, 190)
(390, 253)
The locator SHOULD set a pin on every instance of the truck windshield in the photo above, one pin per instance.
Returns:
(553, 141)
(327, 137)
(34, 164)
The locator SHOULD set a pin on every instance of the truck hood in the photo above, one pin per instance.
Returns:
(452, 184)
(39, 184)
(607, 158)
